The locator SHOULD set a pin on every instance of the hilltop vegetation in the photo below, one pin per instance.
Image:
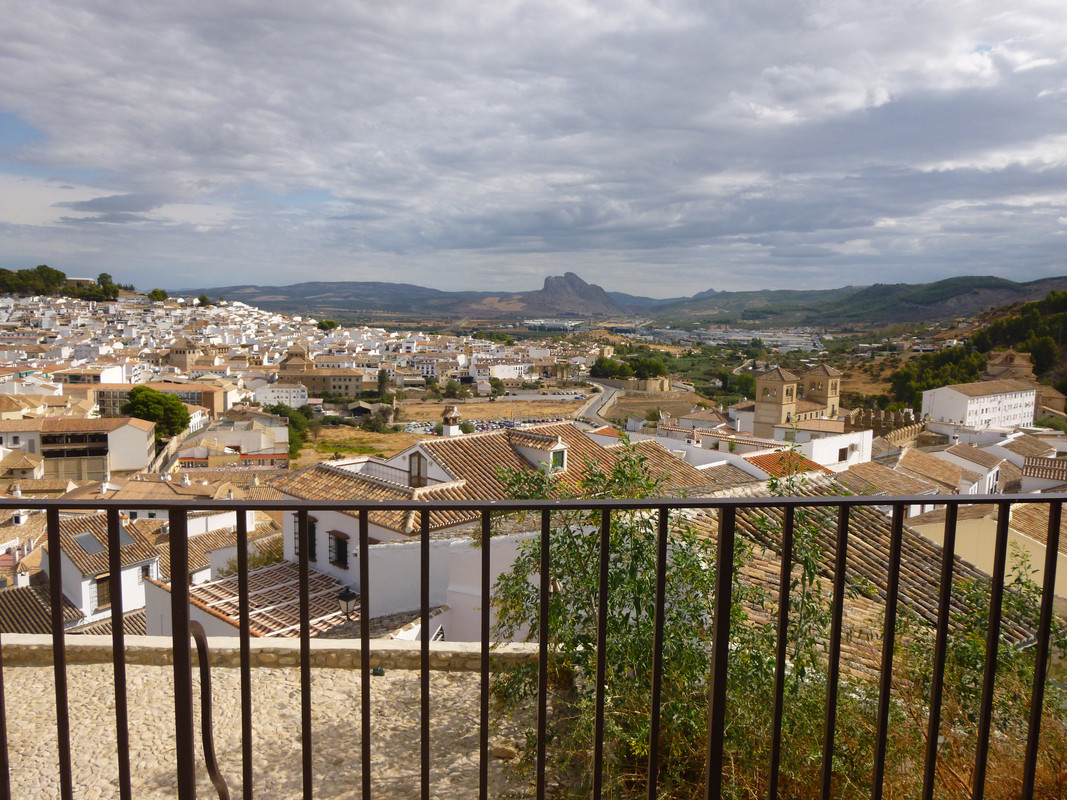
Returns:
(43, 280)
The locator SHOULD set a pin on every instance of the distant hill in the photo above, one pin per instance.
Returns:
(566, 295)
(570, 296)
(881, 304)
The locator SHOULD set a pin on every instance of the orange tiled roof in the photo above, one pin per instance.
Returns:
(785, 462)
(327, 482)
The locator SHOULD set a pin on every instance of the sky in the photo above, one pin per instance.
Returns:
(656, 148)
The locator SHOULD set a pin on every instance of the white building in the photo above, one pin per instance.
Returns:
(986, 404)
(293, 395)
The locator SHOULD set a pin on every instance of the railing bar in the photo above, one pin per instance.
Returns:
(59, 654)
(118, 653)
(944, 612)
(424, 652)
(720, 651)
(889, 630)
(1044, 632)
(364, 649)
(244, 618)
(619, 504)
(183, 663)
(5, 763)
(304, 537)
(834, 657)
(483, 711)
(785, 579)
(989, 676)
(657, 653)
(601, 652)
(543, 633)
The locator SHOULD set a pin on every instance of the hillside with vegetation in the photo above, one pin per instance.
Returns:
(43, 280)
(569, 295)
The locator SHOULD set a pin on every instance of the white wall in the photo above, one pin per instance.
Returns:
(827, 450)
(465, 583)
(130, 448)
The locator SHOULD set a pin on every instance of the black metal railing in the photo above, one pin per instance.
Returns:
(727, 514)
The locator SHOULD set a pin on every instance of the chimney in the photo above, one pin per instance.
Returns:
(450, 420)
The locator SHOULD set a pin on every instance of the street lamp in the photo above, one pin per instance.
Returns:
(348, 600)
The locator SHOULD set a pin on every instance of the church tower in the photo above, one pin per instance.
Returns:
(776, 401)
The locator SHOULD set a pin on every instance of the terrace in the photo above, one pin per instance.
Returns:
(95, 716)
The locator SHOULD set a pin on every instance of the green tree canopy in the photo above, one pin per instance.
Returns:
(158, 295)
(166, 410)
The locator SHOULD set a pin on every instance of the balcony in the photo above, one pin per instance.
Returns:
(92, 716)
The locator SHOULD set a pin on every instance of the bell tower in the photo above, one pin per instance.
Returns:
(776, 401)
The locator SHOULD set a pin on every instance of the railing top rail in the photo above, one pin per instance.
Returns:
(769, 501)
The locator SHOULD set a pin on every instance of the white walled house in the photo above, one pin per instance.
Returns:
(86, 579)
(985, 464)
(985, 404)
(293, 395)
(837, 452)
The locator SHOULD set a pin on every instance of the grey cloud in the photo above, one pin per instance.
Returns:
(703, 143)
(117, 203)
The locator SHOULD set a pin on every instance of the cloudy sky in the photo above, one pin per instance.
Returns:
(659, 148)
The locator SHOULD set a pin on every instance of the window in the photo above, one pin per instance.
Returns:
(559, 460)
(146, 573)
(311, 537)
(417, 470)
(842, 454)
(103, 591)
(339, 549)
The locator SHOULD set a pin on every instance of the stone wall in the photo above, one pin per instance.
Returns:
(26, 650)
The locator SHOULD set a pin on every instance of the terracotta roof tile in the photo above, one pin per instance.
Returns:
(84, 541)
(274, 600)
(870, 478)
(1029, 446)
(1052, 469)
(28, 609)
(784, 462)
(975, 455)
(987, 388)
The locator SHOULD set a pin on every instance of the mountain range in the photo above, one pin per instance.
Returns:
(570, 296)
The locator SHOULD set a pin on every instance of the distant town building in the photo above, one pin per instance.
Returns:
(986, 404)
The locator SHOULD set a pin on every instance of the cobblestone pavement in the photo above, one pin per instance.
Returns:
(30, 704)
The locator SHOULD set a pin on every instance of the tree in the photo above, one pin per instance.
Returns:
(204, 300)
(298, 425)
(497, 386)
(383, 382)
(108, 289)
(574, 546)
(158, 295)
(166, 410)
(327, 324)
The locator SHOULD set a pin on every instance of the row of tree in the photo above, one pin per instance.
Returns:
(642, 368)
(1036, 329)
(934, 370)
(44, 280)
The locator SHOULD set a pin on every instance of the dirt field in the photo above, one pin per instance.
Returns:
(677, 404)
(550, 406)
(352, 442)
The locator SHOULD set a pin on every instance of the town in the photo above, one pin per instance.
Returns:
(90, 390)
